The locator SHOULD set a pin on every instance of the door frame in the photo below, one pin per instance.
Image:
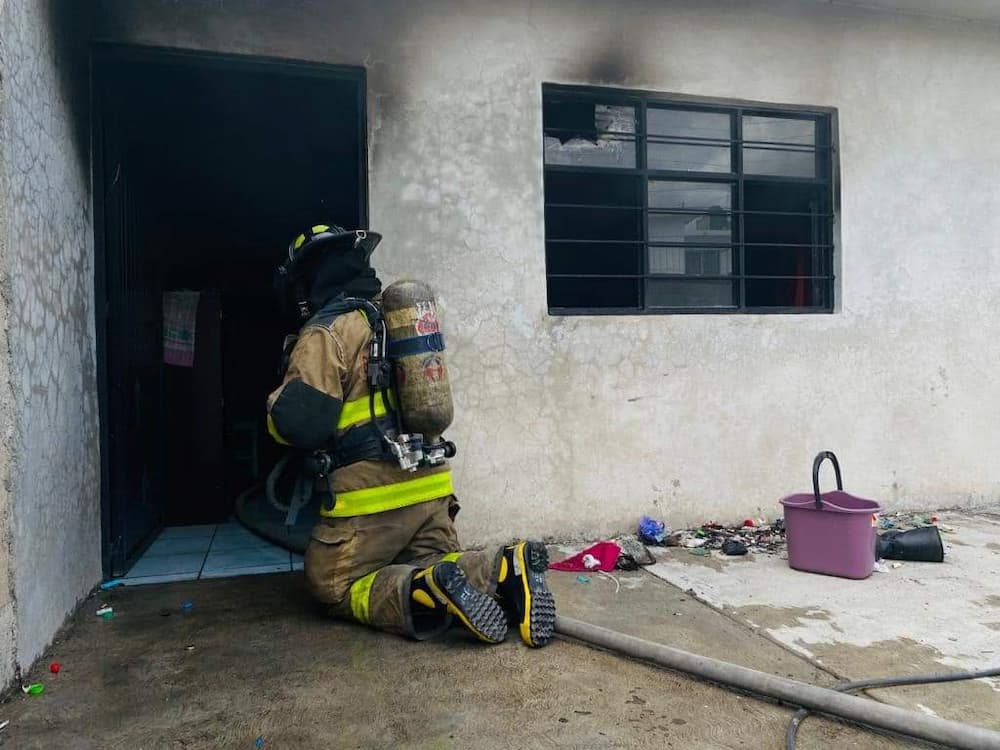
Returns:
(104, 56)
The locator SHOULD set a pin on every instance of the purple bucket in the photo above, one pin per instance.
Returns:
(831, 533)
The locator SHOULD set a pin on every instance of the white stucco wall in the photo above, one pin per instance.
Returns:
(7, 626)
(48, 401)
(579, 425)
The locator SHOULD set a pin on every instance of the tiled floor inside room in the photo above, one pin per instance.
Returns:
(185, 553)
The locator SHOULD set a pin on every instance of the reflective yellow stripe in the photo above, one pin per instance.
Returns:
(451, 557)
(361, 594)
(274, 432)
(390, 496)
(358, 410)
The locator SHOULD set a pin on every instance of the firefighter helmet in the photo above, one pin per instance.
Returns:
(294, 277)
(329, 237)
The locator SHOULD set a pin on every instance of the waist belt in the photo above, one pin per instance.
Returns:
(363, 443)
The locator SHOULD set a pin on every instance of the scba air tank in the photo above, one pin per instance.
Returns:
(420, 369)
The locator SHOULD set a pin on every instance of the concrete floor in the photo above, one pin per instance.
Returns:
(253, 658)
(914, 618)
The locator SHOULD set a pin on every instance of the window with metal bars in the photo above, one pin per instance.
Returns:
(655, 205)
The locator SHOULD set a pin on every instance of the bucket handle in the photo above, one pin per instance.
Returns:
(817, 462)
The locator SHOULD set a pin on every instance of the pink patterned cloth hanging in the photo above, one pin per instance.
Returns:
(180, 318)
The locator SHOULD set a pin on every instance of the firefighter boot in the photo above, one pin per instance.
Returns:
(444, 588)
(524, 594)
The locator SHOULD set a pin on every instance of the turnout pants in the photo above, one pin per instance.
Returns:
(361, 567)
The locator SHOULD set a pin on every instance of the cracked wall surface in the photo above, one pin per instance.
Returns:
(7, 629)
(577, 425)
(48, 402)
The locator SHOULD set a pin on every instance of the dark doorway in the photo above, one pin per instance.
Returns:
(207, 166)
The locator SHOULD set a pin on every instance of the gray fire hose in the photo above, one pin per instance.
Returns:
(884, 682)
(823, 700)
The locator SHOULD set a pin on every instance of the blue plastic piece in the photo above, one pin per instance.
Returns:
(651, 531)
(112, 584)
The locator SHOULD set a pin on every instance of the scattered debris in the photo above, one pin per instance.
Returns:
(259, 742)
(758, 537)
(634, 552)
(164, 612)
(627, 562)
(105, 612)
(880, 567)
(35, 688)
(734, 547)
(905, 521)
(107, 585)
(54, 667)
(189, 647)
(652, 531)
(3, 724)
(618, 586)
(590, 562)
(187, 605)
(606, 555)
(583, 579)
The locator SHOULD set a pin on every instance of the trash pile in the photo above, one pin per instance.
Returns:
(753, 535)
(906, 521)
(630, 551)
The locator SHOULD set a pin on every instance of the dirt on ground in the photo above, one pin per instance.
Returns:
(253, 664)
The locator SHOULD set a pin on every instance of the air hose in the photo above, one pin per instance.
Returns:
(862, 711)
(884, 682)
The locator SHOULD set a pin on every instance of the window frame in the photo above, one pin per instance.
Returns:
(826, 182)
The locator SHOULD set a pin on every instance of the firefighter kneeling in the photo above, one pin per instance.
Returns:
(365, 394)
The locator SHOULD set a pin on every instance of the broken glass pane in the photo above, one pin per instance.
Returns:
(607, 151)
(588, 134)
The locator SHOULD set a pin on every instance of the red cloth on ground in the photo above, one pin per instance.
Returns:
(606, 553)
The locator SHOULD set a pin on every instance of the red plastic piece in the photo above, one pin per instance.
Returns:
(54, 667)
(749, 523)
(606, 553)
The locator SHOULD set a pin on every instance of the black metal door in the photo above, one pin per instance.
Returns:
(132, 340)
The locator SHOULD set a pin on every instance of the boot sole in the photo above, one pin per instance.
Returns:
(478, 612)
(539, 621)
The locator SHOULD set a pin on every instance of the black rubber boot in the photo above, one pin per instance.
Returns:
(524, 594)
(445, 585)
(917, 545)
